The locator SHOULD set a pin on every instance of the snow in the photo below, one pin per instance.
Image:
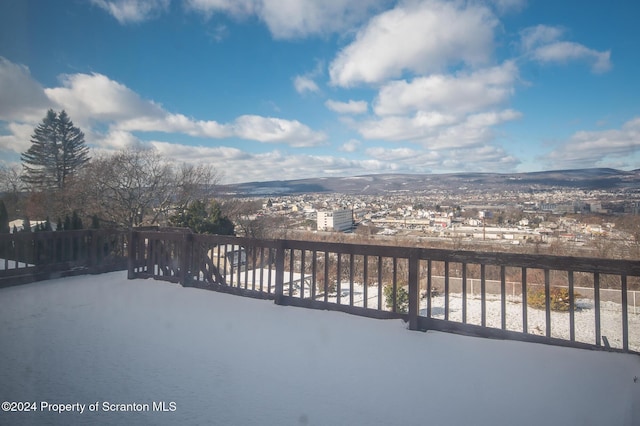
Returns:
(225, 359)
(18, 224)
(610, 314)
(7, 265)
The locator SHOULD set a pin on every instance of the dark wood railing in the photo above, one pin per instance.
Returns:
(472, 293)
(34, 256)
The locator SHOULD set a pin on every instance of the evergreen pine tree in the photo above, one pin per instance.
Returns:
(57, 151)
(47, 225)
(76, 222)
(202, 220)
(39, 160)
(59, 226)
(67, 223)
(75, 152)
(4, 219)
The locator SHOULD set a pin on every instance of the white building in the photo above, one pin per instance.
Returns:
(335, 220)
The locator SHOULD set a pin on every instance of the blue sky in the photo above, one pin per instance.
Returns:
(287, 89)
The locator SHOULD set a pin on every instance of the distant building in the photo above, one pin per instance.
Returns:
(335, 220)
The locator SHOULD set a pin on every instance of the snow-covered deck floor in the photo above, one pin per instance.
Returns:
(231, 360)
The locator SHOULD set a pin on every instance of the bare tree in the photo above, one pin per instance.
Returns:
(130, 188)
(137, 186)
(12, 188)
(246, 215)
(195, 182)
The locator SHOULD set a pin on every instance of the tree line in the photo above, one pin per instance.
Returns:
(134, 186)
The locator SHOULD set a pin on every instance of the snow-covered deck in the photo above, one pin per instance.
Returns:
(225, 359)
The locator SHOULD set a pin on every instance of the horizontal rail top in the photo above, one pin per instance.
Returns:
(576, 264)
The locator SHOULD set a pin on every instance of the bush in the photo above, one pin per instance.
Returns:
(402, 298)
(558, 298)
(203, 218)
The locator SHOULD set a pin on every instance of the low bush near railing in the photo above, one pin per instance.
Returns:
(402, 298)
(559, 300)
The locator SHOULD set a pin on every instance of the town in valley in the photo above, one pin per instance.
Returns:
(586, 213)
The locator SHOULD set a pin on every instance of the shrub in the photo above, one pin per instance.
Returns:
(558, 298)
(402, 298)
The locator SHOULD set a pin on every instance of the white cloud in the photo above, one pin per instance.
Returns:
(113, 140)
(95, 101)
(567, 51)
(404, 128)
(350, 107)
(19, 138)
(417, 37)
(475, 131)
(539, 35)
(240, 166)
(492, 118)
(238, 8)
(604, 148)
(288, 19)
(188, 153)
(485, 158)
(305, 84)
(456, 94)
(132, 11)
(22, 98)
(175, 123)
(436, 131)
(543, 44)
(95, 98)
(428, 158)
(351, 145)
(269, 129)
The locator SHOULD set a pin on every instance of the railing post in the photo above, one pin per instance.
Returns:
(93, 256)
(279, 290)
(187, 260)
(133, 250)
(414, 290)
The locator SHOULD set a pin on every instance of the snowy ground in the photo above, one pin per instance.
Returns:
(11, 264)
(229, 360)
(610, 315)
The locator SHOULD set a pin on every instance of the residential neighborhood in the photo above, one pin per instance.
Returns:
(576, 218)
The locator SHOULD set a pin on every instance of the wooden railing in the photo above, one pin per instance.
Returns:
(431, 289)
(35, 256)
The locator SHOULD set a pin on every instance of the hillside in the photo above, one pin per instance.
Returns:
(380, 184)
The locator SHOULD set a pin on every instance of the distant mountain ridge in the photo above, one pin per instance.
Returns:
(380, 184)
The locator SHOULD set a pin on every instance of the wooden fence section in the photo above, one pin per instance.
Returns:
(34, 256)
(431, 289)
